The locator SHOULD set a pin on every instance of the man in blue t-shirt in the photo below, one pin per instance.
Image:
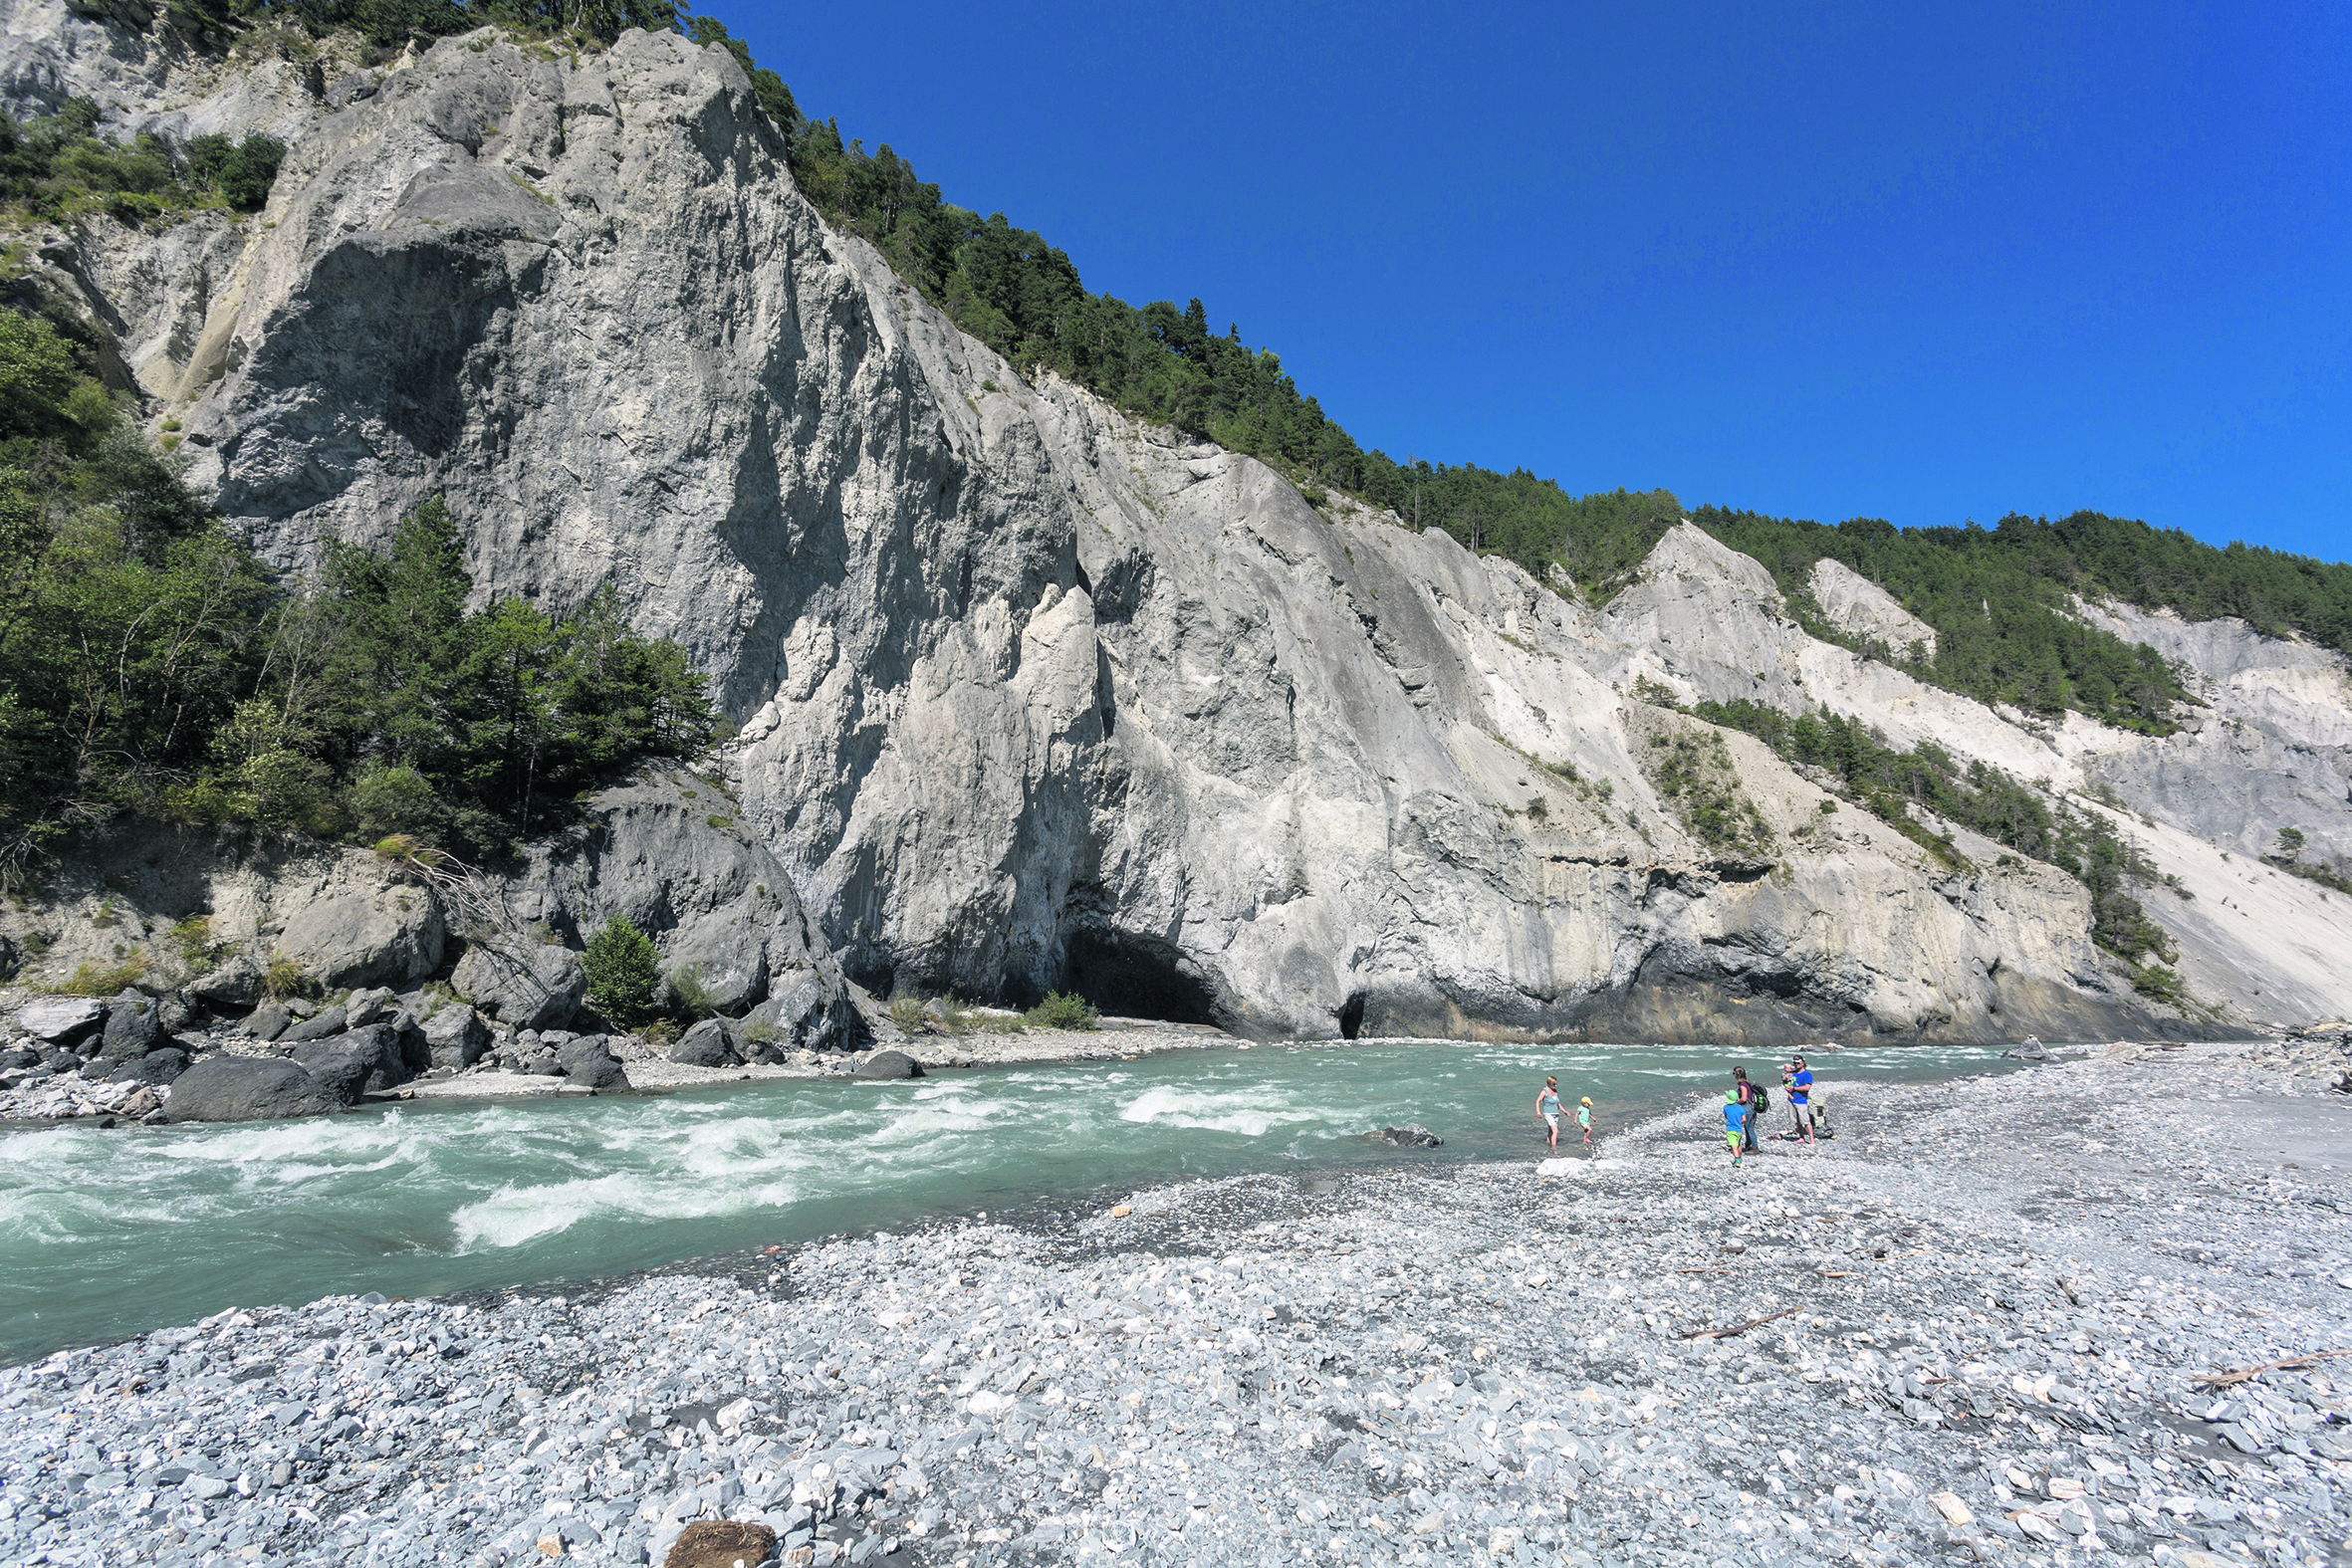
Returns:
(1799, 1079)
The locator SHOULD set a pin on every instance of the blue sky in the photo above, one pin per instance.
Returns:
(1927, 264)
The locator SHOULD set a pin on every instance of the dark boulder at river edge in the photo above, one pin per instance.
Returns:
(247, 1089)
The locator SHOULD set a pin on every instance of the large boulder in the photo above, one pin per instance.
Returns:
(134, 1026)
(363, 1062)
(236, 984)
(455, 1035)
(710, 1043)
(324, 1026)
(534, 987)
(664, 850)
(156, 1066)
(247, 1089)
(589, 1063)
(889, 1064)
(357, 935)
(267, 1022)
(60, 1020)
(374, 1005)
(807, 1013)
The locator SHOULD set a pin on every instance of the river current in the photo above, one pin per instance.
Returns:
(104, 1233)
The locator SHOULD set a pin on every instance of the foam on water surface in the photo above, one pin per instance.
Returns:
(438, 1196)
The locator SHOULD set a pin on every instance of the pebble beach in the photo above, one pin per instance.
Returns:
(1997, 1319)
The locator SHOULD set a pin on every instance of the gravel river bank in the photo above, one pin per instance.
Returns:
(1984, 1309)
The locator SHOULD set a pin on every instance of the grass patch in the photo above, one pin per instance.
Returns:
(92, 979)
(193, 940)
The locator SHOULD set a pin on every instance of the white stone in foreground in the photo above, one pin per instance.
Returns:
(1568, 1165)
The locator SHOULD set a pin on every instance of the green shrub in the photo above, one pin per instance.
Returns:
(623, 971)
(690, 999)
(907, 1013)
(394, 803)
(1063, 1010)
(243, 173)
(284, 978)
(2159, 984)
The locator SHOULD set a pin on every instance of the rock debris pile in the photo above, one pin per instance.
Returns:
(165, 1059)
(2093, 1311)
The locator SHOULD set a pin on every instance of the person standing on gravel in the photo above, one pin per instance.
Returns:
(1799, 1079)
(1584, 1121)
(1547, 1107)
(1751, 1097)
(1734, 1121)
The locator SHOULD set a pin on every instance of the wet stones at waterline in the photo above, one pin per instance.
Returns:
(362, 1062)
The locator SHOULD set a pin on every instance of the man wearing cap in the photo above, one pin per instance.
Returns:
(1799, 1079)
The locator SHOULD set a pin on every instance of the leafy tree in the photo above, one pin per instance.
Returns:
(37, 373)
(623, 971)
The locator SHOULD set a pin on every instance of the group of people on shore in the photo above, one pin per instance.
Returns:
(1743, 1105)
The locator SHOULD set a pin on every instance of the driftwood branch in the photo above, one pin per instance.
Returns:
(465, 891)
(2222, 1379)
(1739, 1328)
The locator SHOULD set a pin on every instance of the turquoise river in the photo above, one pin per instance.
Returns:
(104, 1233)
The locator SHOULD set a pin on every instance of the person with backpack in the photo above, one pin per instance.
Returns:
(1756, 1097)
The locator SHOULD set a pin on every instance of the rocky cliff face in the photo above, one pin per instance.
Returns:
(1030, 695)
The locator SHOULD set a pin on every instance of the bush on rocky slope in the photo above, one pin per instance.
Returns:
(1979, 797)
(58, 165)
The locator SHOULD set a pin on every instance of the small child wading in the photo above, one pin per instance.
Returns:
(1734, 1122)
(1584, 1120)
(1547, 1107)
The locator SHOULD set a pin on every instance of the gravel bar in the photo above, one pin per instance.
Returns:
(1969, 1330)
